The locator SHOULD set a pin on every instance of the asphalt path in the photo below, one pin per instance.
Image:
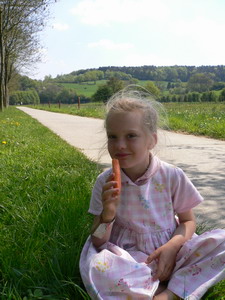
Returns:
(202, 159)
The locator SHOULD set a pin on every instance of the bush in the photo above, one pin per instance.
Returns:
(24, 97)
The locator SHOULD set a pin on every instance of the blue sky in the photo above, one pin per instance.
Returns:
(85, 34)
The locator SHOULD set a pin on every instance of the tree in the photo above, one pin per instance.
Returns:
(48, 93)
(26, 83)
(115, 84)
(20, 21)
(24, 97)
(222, 95)
(66, 95)
(152, 88)
(200, 82)
(103, 93)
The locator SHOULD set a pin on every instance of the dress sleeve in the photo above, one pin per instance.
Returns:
(95, 207)
(184, 194)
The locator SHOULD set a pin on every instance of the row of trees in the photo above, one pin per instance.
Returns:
(50, 91)
(20, 22)
(89, 76)
(105, 91)
(198, 82)
(152, 73)
(195, 97)
(47, 91)
(170, 73)
(24, 97)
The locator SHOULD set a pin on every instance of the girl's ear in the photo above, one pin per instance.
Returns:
(153, 140)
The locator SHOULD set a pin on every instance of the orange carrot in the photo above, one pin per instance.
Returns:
(116, 171)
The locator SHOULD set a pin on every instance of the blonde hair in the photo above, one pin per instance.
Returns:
(136, 98)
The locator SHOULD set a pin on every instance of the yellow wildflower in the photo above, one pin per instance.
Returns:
(4, 142)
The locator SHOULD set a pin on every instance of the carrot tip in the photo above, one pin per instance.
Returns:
(116, 171)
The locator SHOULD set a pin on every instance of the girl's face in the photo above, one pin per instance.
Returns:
(129, 142)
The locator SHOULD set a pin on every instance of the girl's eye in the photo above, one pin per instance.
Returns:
(111, 137)
(131, 135)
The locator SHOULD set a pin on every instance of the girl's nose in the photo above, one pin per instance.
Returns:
(121, 144)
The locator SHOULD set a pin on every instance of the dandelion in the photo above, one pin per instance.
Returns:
(4, 142)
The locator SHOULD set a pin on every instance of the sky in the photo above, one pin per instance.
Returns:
(83, 34)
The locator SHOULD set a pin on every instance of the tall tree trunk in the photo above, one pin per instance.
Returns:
(7, 77)
(1, 64)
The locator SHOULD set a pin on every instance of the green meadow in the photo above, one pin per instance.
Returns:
(206, 119)
(86, 89)
(45, 191)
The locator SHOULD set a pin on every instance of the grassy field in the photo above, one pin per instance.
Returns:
(45, 192)
(86, 89)
(207, 119)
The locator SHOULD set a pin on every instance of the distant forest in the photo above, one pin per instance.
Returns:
(167, 83)
(171, 73)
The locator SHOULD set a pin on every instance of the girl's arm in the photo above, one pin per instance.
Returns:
(165, 255)
(185, 229)
(110, 201)
(97, 242)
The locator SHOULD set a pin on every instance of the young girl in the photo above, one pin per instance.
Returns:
(142, 244)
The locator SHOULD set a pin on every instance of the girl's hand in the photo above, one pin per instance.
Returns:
(110, 199)
(165, 257)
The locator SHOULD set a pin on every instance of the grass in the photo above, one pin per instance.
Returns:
(91, 110)
(86, 89)
(206, 119)
(45, 191)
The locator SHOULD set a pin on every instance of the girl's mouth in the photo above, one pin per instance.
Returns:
(121, 155)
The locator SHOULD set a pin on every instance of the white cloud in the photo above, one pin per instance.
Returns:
(104, 12)
(60, 26)
(110, 45)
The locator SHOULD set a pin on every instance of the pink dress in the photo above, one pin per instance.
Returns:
(145, 220)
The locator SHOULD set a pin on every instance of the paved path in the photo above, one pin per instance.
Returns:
(201, 158)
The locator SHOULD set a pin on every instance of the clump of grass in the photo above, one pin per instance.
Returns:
(91, 110)
(206, 119)
(45, 191)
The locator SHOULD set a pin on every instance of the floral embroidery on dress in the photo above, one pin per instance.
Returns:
(144, 202)
(168, 209)
(137, 266)
(148, 283)
(187, 254)
(155, 226)
(102, 266)
(158, 186)
(217, 262)
(195, 270)
(197, 254)
(121, 285)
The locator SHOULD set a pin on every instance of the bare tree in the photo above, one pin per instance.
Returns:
(20, 23)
